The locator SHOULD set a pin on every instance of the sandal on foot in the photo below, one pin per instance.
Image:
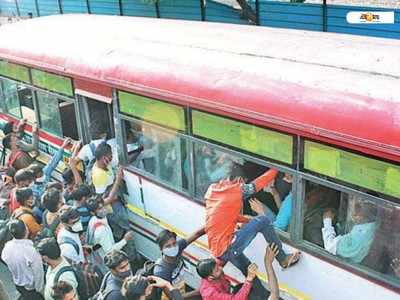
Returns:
(293, 259)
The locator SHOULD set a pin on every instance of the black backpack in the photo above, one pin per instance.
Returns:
(105, 289)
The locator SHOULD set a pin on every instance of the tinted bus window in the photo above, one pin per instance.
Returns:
(26, 103)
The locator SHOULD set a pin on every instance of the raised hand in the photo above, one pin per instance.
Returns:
(270, 253)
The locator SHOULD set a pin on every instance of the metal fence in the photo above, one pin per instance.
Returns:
(319, 17)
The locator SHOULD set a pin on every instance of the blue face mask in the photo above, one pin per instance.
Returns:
(125, 274)
(171, 251)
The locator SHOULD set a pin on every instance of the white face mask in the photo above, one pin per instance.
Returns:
(171, 251)
(40, 179)
(77, 227)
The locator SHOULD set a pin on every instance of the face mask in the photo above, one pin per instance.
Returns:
(171, 251)
(125, 274)
(101, 214)
(31, 185)
(40, 179)
(77, 227)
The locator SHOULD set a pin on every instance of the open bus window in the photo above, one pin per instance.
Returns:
(352, 228)
(57, 116)
(158, 152)
(100, 112)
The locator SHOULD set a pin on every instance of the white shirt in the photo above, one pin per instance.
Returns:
(68, 277)
(100, 233)
(68, 250)
(329, 236)
(25, 264)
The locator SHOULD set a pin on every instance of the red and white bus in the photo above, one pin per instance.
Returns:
(322, 107)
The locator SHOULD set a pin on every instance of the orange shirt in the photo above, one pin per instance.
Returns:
(29, 221)
(223, 210)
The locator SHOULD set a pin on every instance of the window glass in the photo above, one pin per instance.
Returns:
(164, 153)
(14, 71)
(353, 228)
(26, 103)
(49, 113)
(275, 200)
(52, 82)
(10, 92)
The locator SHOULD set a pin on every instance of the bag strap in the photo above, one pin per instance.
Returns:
(90, 233)
(62, 271)
(20, 213)
(70, 241)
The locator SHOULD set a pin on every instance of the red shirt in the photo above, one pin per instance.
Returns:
(219, 290)
(12, 202)
(223, 210)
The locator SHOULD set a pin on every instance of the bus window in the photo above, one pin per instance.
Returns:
(158, 152)
(57, 116)
(100, 111)
(10, 92)
(26, 103)
(352, 228)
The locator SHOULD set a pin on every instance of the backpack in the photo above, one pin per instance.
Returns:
(80, 278)
(48, 231)
(5, 234)
(104, 290)
(70, 241)
(148, 268)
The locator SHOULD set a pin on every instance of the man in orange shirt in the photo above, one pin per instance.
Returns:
(224, 202)
(24, 212)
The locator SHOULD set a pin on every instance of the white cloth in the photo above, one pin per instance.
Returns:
(100, 233)
(85, 153)
(329, 236)
(68, 250)
(25, 264)
(68, 277)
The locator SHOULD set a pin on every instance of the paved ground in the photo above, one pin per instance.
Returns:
(6, 279)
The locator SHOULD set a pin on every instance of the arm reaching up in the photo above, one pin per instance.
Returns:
(270, 254)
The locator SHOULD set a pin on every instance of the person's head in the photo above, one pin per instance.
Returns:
(364, 212)
(63, 291)
(8, 176)
(23, 178)
(118, 263)
(96, 207)
(55, 185)
(236, 173)
(71, 219)
(137, 287)
(81, 193)
(68, 177)
(209, 269)
(24, 197)
(166, 240)
(9, 127)
(288, 177)
(10, 141)
(103, 154)
(18, 229)
(50, 251)
(98, 129)
(37, 171)
(52, 200)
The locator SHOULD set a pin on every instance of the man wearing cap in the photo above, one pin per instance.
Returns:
(68, 237)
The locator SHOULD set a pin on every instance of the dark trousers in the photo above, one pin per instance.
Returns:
(243, 238)
(28, 295)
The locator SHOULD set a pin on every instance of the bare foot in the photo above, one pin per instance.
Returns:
(291, 260)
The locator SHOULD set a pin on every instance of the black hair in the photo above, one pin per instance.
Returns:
(102, 150)
(369, 211)
(36, 169)
(164, 236)
(205, 267)
(11, 172)
(83, 190)
(22, 195)
(236, 171)
(68, 213)
(8, 128)
(23, 175)
(134, 287)
(51, 199)
(60, 289)
(94, 203)
(17, 229)
(7, 141)
(49, 247)
(68, 176)
(114, 258)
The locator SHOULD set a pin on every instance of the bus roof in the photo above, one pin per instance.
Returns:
(329, 85)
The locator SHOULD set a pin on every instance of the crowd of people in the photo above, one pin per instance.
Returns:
(71, 240)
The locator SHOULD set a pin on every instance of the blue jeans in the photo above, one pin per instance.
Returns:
(242, 240)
